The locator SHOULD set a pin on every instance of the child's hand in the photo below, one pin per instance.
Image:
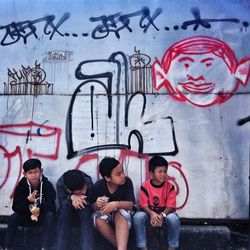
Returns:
(101, 201)
(35, 211)
(32, 197)
(78, 201)
(109, 207)
(156, 219)
(159, 223)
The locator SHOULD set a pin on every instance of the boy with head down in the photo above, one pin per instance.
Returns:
(73, 191)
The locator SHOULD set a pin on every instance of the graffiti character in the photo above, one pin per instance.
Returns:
(200, 70)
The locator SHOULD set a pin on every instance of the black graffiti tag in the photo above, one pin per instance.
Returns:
(22, 30)
(117, 22)
(205, 23)
(105, 25)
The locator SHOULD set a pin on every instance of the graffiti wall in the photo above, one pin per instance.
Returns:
(80, 80)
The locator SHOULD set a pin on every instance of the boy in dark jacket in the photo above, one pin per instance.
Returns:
(33, 203)
(73, 191)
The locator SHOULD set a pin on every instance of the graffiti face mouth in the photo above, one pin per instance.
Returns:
(197, 88)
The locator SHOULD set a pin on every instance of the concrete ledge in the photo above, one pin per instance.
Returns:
(193, 237)
(204, 237)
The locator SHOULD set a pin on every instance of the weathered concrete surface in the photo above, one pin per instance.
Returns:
(193, 237)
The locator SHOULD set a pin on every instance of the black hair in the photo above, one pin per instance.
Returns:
(31, 164)
(106, 166)
(74, 179)
(157, 161)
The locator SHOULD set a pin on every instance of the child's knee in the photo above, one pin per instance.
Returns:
(173, 219)
(122, 215)
(139, 217)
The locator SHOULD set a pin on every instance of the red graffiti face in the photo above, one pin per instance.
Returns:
(200, 70)
(199, 78)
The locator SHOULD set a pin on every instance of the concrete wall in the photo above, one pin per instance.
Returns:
(83, 79)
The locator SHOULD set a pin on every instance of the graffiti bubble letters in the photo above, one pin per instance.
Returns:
(22, 30)
(117, 22)
(200, 70)
(105, 92)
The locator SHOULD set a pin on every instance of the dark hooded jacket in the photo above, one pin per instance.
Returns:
(63, 196)
(46, 199)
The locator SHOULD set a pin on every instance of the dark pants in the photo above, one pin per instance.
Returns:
(68, 216)
(46, 221)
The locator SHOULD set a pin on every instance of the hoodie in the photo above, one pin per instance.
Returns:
(63, 195)
(46, 196)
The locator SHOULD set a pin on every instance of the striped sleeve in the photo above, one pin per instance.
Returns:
(171, 197)
(144, 196)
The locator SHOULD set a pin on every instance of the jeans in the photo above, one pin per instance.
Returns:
(172, 225)
(46, 221)
(82, 217)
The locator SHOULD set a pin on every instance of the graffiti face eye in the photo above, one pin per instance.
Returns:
(186, 65)
(208, 64)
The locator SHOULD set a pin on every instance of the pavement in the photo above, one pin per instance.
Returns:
(235, 236)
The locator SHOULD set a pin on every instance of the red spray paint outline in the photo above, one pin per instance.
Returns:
(174, 164)
(52, 131)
